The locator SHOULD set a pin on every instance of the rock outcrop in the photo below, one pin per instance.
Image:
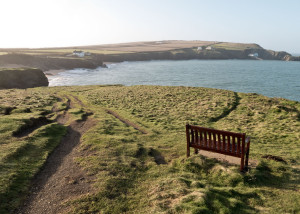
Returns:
(192, 53)
(49, 62)
(22, 78)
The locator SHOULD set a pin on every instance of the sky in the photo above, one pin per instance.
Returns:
(273, 24)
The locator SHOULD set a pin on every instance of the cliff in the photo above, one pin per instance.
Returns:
(49, 62)
(22, 78)
(62, 58)
(193, 53)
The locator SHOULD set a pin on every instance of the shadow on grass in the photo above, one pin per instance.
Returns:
(229, 201)
(23, 165)
(227, 111)
(158, 158)
(201, 165)
(265, 174)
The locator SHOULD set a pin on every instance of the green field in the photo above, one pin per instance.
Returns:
(60, 51)
(235, 46)
(149, 173)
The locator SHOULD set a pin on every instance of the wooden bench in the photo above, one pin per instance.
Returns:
(223, 142)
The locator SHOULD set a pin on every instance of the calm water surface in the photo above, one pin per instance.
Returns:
(270, 78)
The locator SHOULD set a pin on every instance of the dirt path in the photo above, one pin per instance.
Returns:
(61, 179)
(127, 122)
(227, 158)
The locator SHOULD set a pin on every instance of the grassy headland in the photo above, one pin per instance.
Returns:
(149, 173)
(63, 58)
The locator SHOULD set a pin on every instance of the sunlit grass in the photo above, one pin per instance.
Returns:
(172, 183)
(70, 51)
(235, 46)
(149, 173)
(21, 158)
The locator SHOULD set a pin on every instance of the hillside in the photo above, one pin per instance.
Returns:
(125, 151)
(62, 58)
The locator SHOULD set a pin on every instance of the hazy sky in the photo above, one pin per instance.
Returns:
(274, 24)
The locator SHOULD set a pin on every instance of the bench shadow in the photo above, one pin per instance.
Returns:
(158, 157)
(222, 198)
(263, 175)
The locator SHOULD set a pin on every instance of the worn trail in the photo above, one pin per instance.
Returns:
(125, 121)
(61, 179)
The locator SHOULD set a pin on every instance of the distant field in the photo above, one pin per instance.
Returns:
(149, 173)
(68, 51)
(235, 46)
(119, 48)
(151, 46)
(187, 48)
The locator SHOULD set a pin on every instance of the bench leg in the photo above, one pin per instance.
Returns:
(196, 151)
(247, 159)
(242, 163)
(187, 128)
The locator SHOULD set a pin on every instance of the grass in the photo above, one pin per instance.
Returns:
(60, 51)
(21, 158)
(235, 46)
(149, 173)
(175, 47)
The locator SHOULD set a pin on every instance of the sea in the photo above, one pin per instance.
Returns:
(267, 77)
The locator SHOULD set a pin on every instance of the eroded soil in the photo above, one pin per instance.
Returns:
(61, 179)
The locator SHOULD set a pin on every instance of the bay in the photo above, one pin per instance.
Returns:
(270, 78)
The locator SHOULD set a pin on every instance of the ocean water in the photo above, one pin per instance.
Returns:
(270, 78)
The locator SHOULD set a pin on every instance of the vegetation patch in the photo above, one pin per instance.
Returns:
(149, 173)
(21, 158)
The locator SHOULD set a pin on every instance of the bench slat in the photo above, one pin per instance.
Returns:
(233, 145)
(209, 140)
(205, 138)
(192, 135)
(201, 136)
(223, 142)
(214, 141)
(228, 143)
(239, 146)
(219, 142)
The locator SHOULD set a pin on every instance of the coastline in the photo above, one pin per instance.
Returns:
(53, 72)
(156, 72)
(12, 66)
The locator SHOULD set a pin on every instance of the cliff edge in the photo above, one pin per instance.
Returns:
(22, 78)
(47, 62)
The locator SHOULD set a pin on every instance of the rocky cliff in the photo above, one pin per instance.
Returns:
(48, 62)
(192, 53)
(22, 78)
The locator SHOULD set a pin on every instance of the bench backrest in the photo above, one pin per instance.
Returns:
(224, 142)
